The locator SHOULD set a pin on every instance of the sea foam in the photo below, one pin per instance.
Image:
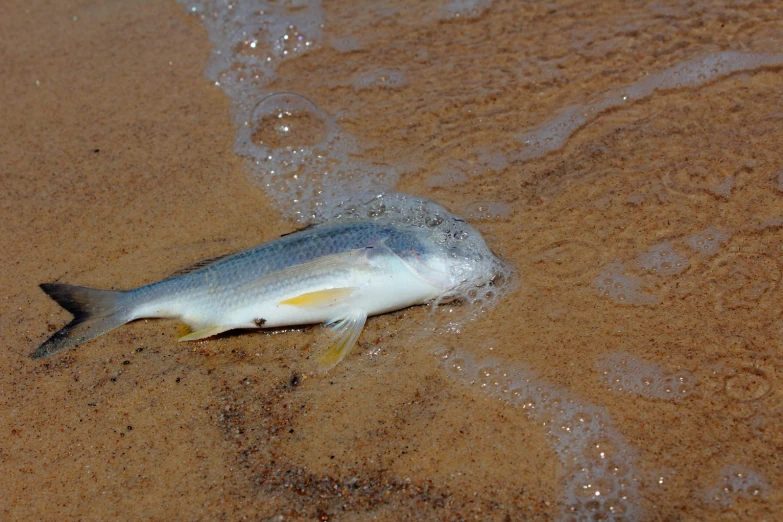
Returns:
(624, 373)
(297, 152)
(598, 463)
(554, 134)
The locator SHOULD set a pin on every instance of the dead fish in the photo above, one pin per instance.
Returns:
(336, 273)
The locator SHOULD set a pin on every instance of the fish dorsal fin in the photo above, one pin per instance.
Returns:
(349, 260)
(306, 227)
(199, 265)
(346, 332)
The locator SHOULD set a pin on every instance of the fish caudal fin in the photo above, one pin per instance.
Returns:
(95, 312)
(347, 330)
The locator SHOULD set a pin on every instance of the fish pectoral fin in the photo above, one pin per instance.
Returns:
(346, 332)
(205, 332)
(327, 297)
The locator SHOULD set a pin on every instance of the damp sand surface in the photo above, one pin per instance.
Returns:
(635, 371)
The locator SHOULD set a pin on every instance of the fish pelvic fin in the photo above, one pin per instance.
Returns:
(203, 333)
(346, 332)
(184, 329)
(95, 312)
(320, 298)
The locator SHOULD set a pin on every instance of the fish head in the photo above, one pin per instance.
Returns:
(470, 261)
(453, 257)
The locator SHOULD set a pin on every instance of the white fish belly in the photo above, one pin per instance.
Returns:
(398, 287)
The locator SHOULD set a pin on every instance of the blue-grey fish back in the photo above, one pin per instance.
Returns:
(236, 271)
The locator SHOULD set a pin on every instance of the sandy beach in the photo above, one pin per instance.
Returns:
(624, 159)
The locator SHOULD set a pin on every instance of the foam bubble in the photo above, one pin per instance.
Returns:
(737, 482)
(284, 120)
(623, 288)
(626, 373)
(708, 242)
(597, 461)
(663, 260)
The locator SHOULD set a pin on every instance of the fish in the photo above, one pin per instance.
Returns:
(336, 273)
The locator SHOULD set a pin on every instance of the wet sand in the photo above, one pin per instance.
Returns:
(117, 167)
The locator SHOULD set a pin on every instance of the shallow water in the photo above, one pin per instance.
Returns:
(625, 159)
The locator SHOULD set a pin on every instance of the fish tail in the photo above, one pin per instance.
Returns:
(95, 312)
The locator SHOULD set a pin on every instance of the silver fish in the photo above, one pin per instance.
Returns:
(337, 273)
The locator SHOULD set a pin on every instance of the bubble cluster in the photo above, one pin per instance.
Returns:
(614, 282)
(663, 260)
(737, 482)
(251, 39)
(302, 158)
(598, 463)
(486, 278)
(626, 373)
(708, 242)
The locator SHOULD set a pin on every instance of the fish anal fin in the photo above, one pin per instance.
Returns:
(347, 330)
(203, 333)
(318, 298)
